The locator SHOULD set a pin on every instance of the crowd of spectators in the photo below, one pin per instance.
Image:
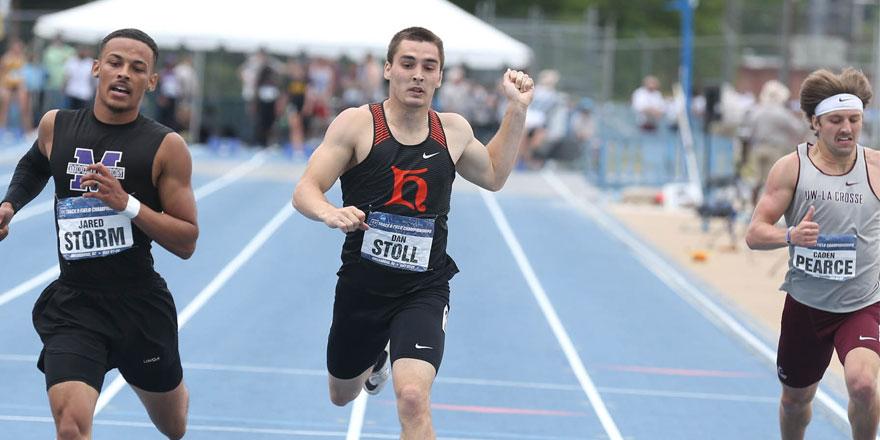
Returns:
(59, 76)
(288, 101)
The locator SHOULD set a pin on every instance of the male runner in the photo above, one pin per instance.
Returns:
(828, 195)
(396, 161)
(121, 182)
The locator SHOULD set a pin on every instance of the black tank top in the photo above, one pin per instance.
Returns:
(408, 180)
(80, 139)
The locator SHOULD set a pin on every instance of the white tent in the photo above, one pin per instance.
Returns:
(316, 27)
(326, 27)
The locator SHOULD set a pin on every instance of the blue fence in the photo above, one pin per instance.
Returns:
(621, 155)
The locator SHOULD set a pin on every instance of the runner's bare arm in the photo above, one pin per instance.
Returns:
(30, 176)
(175, 228)
(489, 166)
(335, 155)
(779, 190)
(872, 157)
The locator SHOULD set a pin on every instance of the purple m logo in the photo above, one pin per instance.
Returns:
(84, 158)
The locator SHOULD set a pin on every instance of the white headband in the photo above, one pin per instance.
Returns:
(842, 101)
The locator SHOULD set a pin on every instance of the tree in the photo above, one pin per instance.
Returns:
(651, 18)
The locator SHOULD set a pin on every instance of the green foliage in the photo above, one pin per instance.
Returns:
(651, 18)
(558, 9)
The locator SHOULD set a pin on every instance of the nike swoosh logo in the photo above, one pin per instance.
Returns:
(851, 183)
(844, 100)
(428, 156)
(423, 347)
(780, 373)
(865, 338)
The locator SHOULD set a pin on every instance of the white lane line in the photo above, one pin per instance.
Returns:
(242, 429)
(36, 281)
(34, 419)
(679, 284)
(356, 420)
(551, 316)
(253, 369)
(233, 266)
(210, 290)
(231, 176)
(191, 428)
(207, 189)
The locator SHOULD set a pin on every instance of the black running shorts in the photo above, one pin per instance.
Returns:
(363, 323)
(87, 331)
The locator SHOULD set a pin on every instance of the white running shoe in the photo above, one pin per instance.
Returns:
(381, 373)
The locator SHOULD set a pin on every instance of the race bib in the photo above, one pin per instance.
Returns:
(88, 228)
(398, 241)
(832, 258)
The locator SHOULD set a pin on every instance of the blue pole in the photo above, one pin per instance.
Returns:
(687, 50)
(686, 60)
(686, 63)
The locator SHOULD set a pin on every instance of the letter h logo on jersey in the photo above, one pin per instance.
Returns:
(402, 177)
(85, 157)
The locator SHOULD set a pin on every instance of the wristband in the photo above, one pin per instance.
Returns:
(788, 235)
(132, 208)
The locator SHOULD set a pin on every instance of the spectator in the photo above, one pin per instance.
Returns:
(352, 89)
(773, 129)
(12, 85)
(455, 92)
(79, 85)
(188, 84)
(295, 99)
(55, 57)
(322, 82)
(169, 89)
(483, 112)
(649, 105)
(577, 127)
(371, 80)
(249, 73)
(268, 93)
(583, 127)
(545, 121)
(35, 82)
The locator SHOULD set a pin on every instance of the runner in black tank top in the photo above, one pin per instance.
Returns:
(396, 162)
(406, 180)
(129, 149)
(122, 181)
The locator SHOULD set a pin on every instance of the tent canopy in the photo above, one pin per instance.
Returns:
(330, 28)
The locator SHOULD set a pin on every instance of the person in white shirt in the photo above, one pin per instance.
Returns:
(79, 85)
(649, 105)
